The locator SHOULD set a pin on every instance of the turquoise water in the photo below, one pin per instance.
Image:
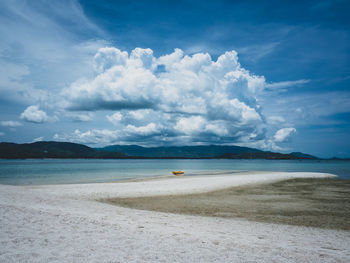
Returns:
(25, 172)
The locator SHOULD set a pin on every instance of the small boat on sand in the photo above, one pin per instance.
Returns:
(178, 173)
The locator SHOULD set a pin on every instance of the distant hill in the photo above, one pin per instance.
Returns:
(260, 155)
(64, 150)
(205, 151)
(208, 151)
(67, 150)
(303, 155)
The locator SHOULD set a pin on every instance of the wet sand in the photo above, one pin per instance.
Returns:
(323, 203)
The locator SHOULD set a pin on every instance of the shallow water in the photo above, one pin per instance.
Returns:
(25, 172)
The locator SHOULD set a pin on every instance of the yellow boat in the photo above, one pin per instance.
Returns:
(178, 173)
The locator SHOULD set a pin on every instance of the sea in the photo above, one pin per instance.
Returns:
(66, 171)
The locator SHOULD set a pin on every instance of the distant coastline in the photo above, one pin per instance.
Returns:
(67, 150)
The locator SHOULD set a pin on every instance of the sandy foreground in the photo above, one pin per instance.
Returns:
(66, 223)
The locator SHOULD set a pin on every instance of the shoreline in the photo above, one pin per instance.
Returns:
(56, 223)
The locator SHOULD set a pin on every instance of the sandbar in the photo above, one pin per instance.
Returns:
(313, 202)
(69, 223)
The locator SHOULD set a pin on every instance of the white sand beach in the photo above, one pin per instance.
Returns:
(67, 223)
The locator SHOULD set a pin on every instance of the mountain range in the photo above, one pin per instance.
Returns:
(67, 150)
(59, 150)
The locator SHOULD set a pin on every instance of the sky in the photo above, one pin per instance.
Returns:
(272, 75)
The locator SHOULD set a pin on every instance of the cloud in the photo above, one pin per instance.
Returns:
(266, 144)
(15, 87)
(258, 51)
(94, 136)
(139, 114)
(286, 84)
(146, 130)
(307, 108)
(39, 139)
(2, 134)
(80, 117)
(34, 114)
(35, 62)
(115, 118)
(11, 124)
(108, 57)
(172, 95)
(284, 134)
(275, 119)
(35, 22)
(131, 82)
(194, 124)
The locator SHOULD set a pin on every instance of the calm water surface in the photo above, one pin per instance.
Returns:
(25, 172)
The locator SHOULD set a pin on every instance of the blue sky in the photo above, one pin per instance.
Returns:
(268, 74)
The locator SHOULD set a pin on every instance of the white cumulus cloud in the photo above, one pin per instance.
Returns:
(190, 125)
(172, 95)
(109, 57)
(146, 130)
(34, 114)
(284, 134)
(93, 136)
(115, 118)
